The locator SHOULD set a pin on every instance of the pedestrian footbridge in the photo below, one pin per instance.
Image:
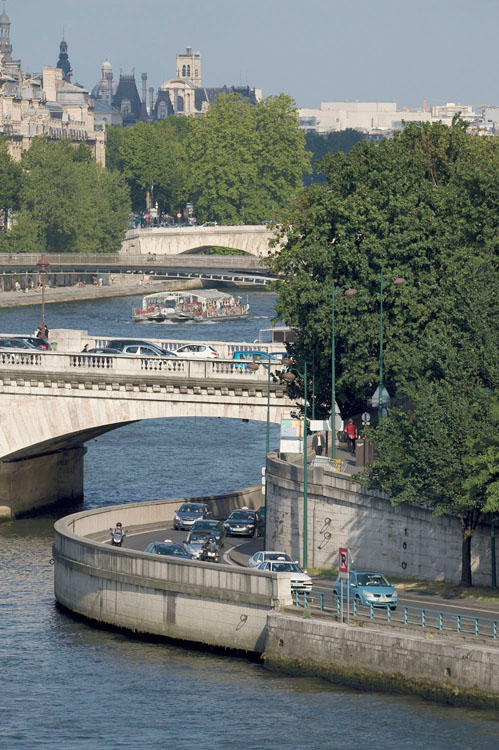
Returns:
(52, 403)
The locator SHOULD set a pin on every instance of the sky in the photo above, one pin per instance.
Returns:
(314, 50)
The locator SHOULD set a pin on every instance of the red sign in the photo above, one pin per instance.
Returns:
(343, 560)
(179, 216)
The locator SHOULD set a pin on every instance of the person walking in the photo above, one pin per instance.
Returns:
(318, 444)
(352, 435)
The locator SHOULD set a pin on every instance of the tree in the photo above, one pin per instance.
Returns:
(68, 202)
(419, 207)
(10, 181)
(153, 154)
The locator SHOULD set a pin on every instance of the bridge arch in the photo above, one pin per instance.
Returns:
(253, 240)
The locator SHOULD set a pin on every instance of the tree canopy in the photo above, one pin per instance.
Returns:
(67, 202)
(238, 163)
(321, 145)
(421, 206)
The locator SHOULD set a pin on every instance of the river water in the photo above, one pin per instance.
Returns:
(66, 684)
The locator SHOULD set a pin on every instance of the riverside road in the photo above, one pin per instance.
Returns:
(66, 683)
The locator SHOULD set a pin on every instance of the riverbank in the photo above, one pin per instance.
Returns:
(89, 291)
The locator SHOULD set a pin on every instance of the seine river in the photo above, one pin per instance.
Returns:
(64, 684)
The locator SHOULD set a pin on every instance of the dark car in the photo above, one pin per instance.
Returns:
(13, 343)
(35, 341)
(103, 350)
(137, 347)
(216, 529)
(188, 514)
(262, 513)
(168, 548)
(243, 522)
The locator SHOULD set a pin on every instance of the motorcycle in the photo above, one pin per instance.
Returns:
(117, 537)
(210, 555)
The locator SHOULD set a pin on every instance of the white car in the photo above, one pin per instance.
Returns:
(260, 557)
(300, 581)
(196, 351)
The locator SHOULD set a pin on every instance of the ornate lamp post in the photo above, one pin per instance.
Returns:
(44, 266)
(381, 390)
(334, 293)
(253, 366)
(290, 377)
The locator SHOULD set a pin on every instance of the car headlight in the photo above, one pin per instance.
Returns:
(368, 594)
(177, 517)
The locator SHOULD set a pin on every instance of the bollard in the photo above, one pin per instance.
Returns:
(322, 602)
(371, 615)
(405, 615)
(338, 605)
(355, 607)
(388, 614)
(476, 626)
(297, 598)
(458, 624)
(440, 621)
(494, 630)
(305, 599)
(423, 618)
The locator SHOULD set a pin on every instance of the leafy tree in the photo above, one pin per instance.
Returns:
(421, 207)
(10, 180)
(154, 154)
(321, 145)
(68, 202)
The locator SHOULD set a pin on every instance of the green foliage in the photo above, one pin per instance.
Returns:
(423, 207)
(68, 203)
(154, 154)
(10, 179)
(321, 145)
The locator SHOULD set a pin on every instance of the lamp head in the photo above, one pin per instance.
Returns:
(399, 281)
(350, 292)
(287, 362)
(288, 376)
(253, 366)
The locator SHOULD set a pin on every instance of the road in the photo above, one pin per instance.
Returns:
(238, 550)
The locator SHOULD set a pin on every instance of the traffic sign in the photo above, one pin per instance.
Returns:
(179, 216)
(343, 562)
(366, 417)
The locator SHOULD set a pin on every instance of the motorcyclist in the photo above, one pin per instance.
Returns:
(117, 534)
(210, 545)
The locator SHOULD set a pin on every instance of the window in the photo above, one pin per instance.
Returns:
(188, 71)
(183, 71)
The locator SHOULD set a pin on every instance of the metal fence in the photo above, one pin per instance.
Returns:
(411, 617)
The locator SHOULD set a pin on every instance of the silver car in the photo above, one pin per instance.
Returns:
(260, 557)
(195, 543)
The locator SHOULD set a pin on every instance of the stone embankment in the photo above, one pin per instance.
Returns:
(243, 609)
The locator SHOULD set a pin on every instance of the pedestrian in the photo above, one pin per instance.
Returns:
(318, 444)
(44, 331)
(85, 348)
(352, 435)
(38, 332)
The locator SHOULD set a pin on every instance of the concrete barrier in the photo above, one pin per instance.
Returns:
(214, 604)
(445, 670)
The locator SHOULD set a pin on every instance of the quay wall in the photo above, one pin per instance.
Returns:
(406, 541)
(213, 604)
(461, 673)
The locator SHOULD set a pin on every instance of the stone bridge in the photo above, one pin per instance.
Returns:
(52, 403)
(177, 240)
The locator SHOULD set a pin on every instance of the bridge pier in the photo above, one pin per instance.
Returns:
(39, 481)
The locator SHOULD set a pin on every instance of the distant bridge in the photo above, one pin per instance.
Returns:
(229, 269)
(179, 240)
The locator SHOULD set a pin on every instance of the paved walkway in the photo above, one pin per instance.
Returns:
(88, 291)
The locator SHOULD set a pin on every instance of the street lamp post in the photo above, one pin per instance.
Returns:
(43, 265)
(398, 282)
(289, 376)
(334, 293)
(254, 367)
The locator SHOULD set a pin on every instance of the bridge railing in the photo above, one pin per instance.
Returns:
(146, 261)
(184, 369)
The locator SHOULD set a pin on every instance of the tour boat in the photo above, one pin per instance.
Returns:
(177, 307)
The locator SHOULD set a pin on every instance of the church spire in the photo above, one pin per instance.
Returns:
(63, 61)
(5, 45)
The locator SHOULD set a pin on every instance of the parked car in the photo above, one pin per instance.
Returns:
(300, 581)
(366, 589)
(13, 343)
(256, 356)
(195, 542)
(243, 522)
(266, 555)
(196, 351)
(189, 513)
(139, 348)
(35, 341)
(168, 548)
(216, 529)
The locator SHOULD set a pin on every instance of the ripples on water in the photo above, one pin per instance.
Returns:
(64, 684)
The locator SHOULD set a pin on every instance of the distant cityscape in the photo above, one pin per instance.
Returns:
(50, 104)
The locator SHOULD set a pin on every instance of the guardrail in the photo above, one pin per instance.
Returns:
(122, 364)
(146, 261)
(401, 615)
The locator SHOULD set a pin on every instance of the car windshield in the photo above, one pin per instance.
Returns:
(198, 536)
(185, 508)
(371, 579)
(277, 556)
(241, 515)
(284, 567)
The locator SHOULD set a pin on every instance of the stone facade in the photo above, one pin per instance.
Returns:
(403, 541)
(45, 104)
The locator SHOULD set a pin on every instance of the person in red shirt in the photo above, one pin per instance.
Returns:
(352, 435)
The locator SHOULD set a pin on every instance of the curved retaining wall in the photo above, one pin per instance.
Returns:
(404, 540)
(207, 603)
